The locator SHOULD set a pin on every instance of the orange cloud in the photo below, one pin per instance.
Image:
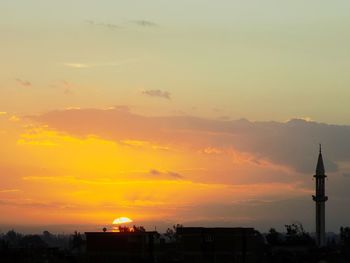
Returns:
(90, 166)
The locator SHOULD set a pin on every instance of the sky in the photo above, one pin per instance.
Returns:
(197, 112)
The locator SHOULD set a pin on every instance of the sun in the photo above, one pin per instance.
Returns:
(121, 220)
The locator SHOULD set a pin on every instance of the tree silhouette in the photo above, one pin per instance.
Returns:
(32, 241)
(13, 238)
(273, 237)
(138, 229)
(170, 233)
(345, 241)
(345, 236)
(123, 229)
(296, 235)
(76, 241)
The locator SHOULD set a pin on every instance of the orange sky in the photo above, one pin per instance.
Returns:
(91, 166)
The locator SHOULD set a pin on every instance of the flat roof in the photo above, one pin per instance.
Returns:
(119, 233)
(213, 229)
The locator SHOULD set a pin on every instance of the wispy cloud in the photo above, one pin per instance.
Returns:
(144, 144)
(113, 26)
(72, 108)
(9, 190)
(144, 23)
(77, 65)
(167, 173)
(64, 85)
(67, 87)
(23, 83)
(304, 118)
(83, 65)
(3, 113)
(106, 25)
(157, 93)
(33, 204)
(106, 181)
(14, 118)
(123, 108)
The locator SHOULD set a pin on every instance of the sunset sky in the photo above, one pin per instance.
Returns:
(198, 112)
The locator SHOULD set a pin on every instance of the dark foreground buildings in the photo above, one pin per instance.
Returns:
(103, 247)
(192, 245)
(214, 245)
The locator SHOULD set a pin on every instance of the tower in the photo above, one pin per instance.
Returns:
(320, 199)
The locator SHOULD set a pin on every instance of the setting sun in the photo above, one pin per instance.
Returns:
(121, 220)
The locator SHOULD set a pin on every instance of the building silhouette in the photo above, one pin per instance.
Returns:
(320, 199)
(190, 245)
(219, 245)
(126, 247)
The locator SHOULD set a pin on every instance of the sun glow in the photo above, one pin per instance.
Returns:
(121, 220)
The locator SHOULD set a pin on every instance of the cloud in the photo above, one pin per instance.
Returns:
(23, 83)
(72, 108)
(304, 118)
(39, 205)
(144, 23)
(66, 86)
(121, 108)
(112, 26)
(211, 150)
(167, 173)
(3, 113)
(77, 65)
(157, 93)
(174, 174)
(292, 144)
(14, 118)
(213, 168)
(109, 26)
(9, 190)
(144, 144)
(80, 65)
(133, 189)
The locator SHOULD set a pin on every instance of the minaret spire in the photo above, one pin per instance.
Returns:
(320, 198)
(320, 166)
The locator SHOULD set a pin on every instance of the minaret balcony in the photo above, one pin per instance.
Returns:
(320, 198)
(321, 176)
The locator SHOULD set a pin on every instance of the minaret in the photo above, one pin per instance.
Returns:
(320, 198)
